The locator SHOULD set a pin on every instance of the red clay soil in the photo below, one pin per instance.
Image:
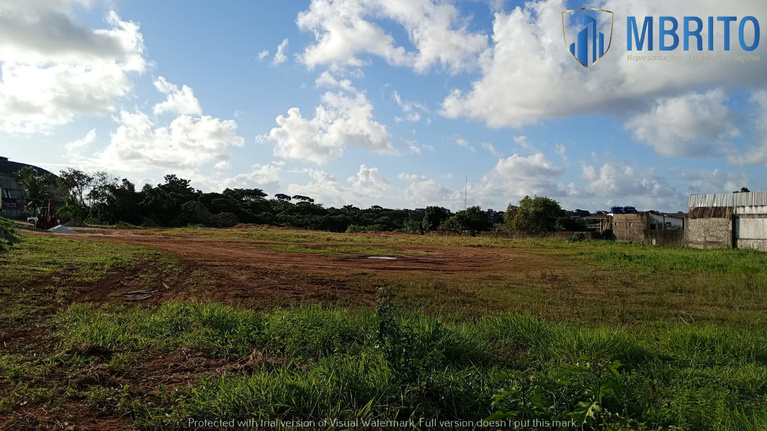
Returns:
(250, 273)
(236, 272)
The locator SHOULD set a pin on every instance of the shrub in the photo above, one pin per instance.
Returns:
(577, 237)
(194, 212)
(606, 235)
(149, 222)
(450, 225)
(224, 220)
(7, 234)
(354, 228)
(589, 392)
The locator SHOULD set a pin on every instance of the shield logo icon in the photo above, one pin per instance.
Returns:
(588, 34)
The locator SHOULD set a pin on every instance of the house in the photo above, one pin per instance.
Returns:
(731, 220)
(13, 196)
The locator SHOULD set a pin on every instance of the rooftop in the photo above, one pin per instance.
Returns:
(729, 200)
(8, 168)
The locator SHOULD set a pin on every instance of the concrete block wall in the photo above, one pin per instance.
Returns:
(710, 228)
(630, 227)
(751, 227)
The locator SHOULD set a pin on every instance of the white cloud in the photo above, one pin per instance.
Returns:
(344, 118)
(714, 181)
(517, 176)
(754, 154)
(425, 191)
(55, 68)
(414, 148)
(177, 101)
(263, 54)
(279, 56)
(686, 126)
(76, 147)
(366, 188)
(524, 143)
(561, 150)
(369, 181)
(630, 184)
(409, 109)
(530, 76)
(344, 30)
(464, 143)
(491, 149)
(260, 176)
(188, 142)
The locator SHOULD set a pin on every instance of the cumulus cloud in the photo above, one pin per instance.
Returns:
(714, 181)
(178, 101)
(55, 68)
(530, 76)
(279, 56)
(620, 182)
(261, 175)
(426, 191)
(263, 54)
(369, 181)
(754, 154)
(366, 188)
(686, 126)
(138, 144)
(345, 30)
(188, 142)
(344, 118)
(517, 176)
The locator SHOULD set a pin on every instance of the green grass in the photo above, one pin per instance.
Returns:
(687, 327)
(317, 364)
(52, 258)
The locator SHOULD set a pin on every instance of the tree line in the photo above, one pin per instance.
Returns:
(102, 199)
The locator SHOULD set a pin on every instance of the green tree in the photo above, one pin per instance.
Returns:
(38, 188)
(116, 201)
(473, 220)
(508, 217)
(537, 214)
(163, 203)
(433, 217)
(194, 212)
(73, 184)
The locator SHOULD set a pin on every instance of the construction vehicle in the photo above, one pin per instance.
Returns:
(47, 217)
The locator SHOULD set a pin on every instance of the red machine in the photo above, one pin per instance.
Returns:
(47, 217)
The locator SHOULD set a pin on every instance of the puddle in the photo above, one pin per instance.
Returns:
(382, 257)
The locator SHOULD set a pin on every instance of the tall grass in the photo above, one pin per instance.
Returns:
(319, 364)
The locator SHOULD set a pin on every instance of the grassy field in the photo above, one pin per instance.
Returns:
(610, 336)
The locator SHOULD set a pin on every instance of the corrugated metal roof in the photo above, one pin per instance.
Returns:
(728, 200)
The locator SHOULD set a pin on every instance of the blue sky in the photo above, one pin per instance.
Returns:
(368, 102)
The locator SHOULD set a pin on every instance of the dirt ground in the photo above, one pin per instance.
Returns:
(252, 273)
(246, 273)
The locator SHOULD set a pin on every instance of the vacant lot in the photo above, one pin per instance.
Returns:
(152, 329)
